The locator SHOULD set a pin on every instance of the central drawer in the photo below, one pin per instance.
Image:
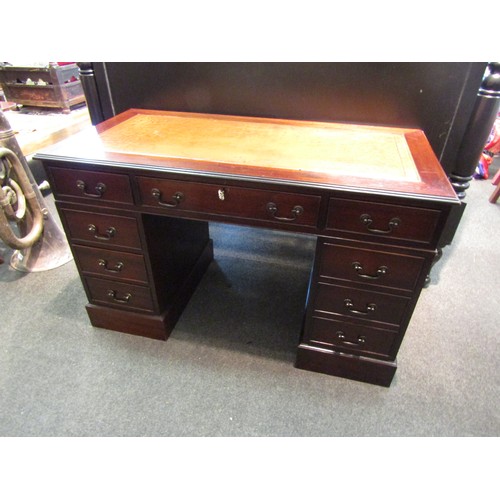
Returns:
(247, 203)
(361, 304)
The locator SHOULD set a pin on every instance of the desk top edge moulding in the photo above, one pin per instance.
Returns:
(137, 192)
(339, 155)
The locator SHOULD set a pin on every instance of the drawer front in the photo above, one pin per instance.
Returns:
(360, 304)
(111, 230)
(370, 267)
(255, 204)
(380, 220)
(91, 185)
(107, 292)
(110, 264)
(350, 337)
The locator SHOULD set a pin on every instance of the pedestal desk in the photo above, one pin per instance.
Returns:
(136, 194)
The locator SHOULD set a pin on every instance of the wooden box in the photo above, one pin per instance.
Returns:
(53, 86)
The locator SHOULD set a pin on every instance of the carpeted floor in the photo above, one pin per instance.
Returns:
(227, 369)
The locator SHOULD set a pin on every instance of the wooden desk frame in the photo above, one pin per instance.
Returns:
(136, 194)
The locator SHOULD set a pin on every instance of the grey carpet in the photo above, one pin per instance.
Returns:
(227, 369)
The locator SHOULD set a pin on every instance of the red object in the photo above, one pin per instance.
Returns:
(496, 194)
(491, 148)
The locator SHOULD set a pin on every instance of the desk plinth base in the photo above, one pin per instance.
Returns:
(145, 325)
(359, 368)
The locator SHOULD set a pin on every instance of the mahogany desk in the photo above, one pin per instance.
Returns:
(135, 195)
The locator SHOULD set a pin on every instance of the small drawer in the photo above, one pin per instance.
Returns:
(350, 337)
(381, 220)
(90, 185)
(369, 266)
(118, 294)
(110, 264)
(247, 203)
(102, 229)
(361, 304)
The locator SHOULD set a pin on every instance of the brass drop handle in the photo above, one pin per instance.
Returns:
(104, 264)
(367, 220)
(176, 198)
(360, 340)
(370, 308)
(109, 233)
(100, 188)
(381, 271)
(272, 209)
(126, 298)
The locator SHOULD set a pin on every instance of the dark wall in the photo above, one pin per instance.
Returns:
(436, 97)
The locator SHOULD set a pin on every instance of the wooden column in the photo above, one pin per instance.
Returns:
(479, 128)
(87, 78)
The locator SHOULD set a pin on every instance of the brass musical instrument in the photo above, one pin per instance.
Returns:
(39, 242)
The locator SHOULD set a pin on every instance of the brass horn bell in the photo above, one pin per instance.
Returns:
(39, 243)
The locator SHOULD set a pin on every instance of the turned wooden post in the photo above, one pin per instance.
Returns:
(478, 130)
(87, 78)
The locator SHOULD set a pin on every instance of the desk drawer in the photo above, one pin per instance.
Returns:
(247, 203)
(370, 266)
(110, 230)
(382, 221)
(110, 264)
(361, 304)
(350, 337)
(91, 185)
(119, 294)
